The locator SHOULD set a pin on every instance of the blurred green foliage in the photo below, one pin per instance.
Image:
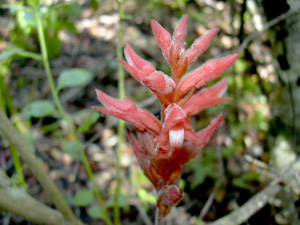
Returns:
(248, 115)
(54, 18)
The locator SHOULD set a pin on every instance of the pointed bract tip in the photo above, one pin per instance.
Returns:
(181, 29)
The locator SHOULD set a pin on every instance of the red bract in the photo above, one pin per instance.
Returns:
(163, 147)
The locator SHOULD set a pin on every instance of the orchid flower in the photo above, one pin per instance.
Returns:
(163, 146)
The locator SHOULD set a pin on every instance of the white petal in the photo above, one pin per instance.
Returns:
(176, 138)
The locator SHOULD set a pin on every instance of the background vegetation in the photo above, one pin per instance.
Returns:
(56, 52)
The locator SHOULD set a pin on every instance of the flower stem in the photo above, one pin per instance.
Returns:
(121, 126)
(65, 117)
(158, 217)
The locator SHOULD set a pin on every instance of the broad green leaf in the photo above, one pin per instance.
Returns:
(95, 212)
(74, 78)
(9, 53)
(84, 197)
(72, 148)
(39, 109)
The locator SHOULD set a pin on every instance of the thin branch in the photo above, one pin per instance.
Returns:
(266, 26)
(27, 153)
(256, 33)
(212, 195)
(210, 200)
(137, 203)
(253, 205)
(27, 207)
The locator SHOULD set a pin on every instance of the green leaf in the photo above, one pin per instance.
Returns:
(32, 3)
(39, 109)
(73, 149)
(244, 180)
(84, 197)
(201, 171)
(95, 5)
(26, 20)
(53, 43)
(123, 201)
(146, 197)
(91, 118)
(74, 78)
(95, 212)
(9, 53)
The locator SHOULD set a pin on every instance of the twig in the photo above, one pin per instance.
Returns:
(255, 34)
(221, 175)
(158, 217)
(266, 26)
(27, 153)
(28, 208)
(210, 200)
(253, 205)
(137, 203)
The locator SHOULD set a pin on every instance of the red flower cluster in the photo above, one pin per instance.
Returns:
(163, 146)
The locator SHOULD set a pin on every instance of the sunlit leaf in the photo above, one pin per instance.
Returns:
(32, 3)
(146, 197)
(74, 78)
(26, 20)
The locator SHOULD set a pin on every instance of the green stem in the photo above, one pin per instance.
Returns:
(18, 166)
(49, 75)
(65, 117)
(121, 127)
(89, 171)
(17, 162)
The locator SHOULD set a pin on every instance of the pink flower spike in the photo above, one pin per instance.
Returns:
(134, 60)
(180, 32)
(176, 137)
(200, 45)
(138, 75)
(175, 121)
(170, 195)
(141, 155)
(205, 136)
(159, 83)
(208, 72)
(128, 111)
(206, 98)
(163, 38)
